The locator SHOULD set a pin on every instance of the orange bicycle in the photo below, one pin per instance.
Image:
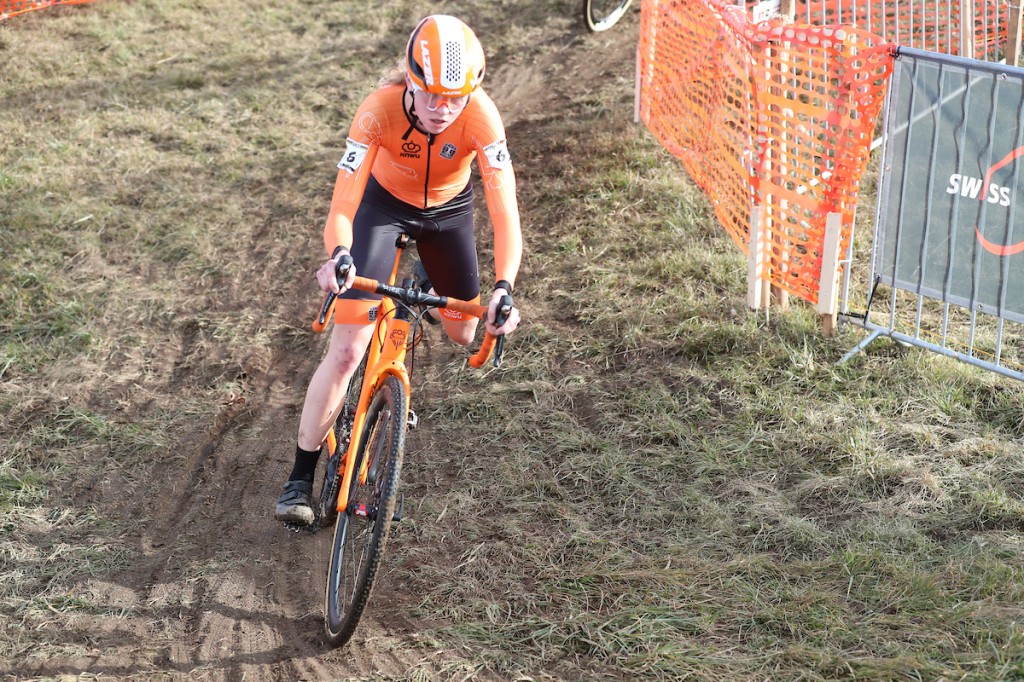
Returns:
(359, 491)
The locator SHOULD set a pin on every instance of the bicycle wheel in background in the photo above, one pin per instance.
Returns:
(362, 529)
(342, 432)
(601, 15)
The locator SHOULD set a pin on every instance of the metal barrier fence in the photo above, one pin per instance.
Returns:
(947, 265)
(934, 25)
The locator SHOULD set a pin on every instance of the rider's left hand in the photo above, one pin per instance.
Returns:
(492, 308)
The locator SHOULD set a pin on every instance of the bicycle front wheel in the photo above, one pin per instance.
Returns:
(601, 15)
(362, 529)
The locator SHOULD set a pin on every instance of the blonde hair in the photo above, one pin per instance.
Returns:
(393, 75)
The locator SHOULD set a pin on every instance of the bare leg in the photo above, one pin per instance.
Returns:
(326, 389)
(460, 331)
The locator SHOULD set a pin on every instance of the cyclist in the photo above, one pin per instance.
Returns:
(406, 168)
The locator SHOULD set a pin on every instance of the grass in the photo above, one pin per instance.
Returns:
(657, 483)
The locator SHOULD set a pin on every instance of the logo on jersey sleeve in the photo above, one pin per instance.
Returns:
(355, 153)
(497, 155)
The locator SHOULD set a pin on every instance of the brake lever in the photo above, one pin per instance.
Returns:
(500, 317)
(499, 347)
(341, 269)
(324, 308)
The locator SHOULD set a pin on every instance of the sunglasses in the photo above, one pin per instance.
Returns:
(434, 101)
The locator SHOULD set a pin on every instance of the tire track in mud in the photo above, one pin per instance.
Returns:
(218, 589)
(251, 613)
(250, 592)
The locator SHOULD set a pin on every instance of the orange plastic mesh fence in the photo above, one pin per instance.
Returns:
(818, 98)
(696, 99)
(776, 115)
(9, 8)
(925, 24)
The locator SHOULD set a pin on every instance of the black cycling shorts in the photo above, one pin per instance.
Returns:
(444, 239)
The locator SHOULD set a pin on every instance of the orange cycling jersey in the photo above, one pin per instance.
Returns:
(425, 170)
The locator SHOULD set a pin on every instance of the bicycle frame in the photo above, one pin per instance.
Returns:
(385, 357)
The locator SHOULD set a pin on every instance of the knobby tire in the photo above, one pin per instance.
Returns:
(359, 541)
(601, 15)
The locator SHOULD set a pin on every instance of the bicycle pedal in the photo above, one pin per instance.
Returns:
(412, 421)
(400, 512)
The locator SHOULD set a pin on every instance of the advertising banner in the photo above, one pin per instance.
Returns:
(951, 200)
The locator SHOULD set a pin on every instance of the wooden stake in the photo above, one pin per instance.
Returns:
(828, 291)
(755, 261)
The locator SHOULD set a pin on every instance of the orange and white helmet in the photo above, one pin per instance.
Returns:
(444, 57)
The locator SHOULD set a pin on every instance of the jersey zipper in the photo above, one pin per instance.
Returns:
(426, 181)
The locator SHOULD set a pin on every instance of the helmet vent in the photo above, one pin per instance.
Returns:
(453, 63)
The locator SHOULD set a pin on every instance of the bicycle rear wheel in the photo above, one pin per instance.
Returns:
(342, 433)
(601, 15)
(362, 529)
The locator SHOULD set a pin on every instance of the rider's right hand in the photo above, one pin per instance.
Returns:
(338, 274)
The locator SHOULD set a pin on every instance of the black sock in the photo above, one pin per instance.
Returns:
(305, 465)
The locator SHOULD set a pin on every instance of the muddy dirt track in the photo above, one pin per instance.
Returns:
(214, 588)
